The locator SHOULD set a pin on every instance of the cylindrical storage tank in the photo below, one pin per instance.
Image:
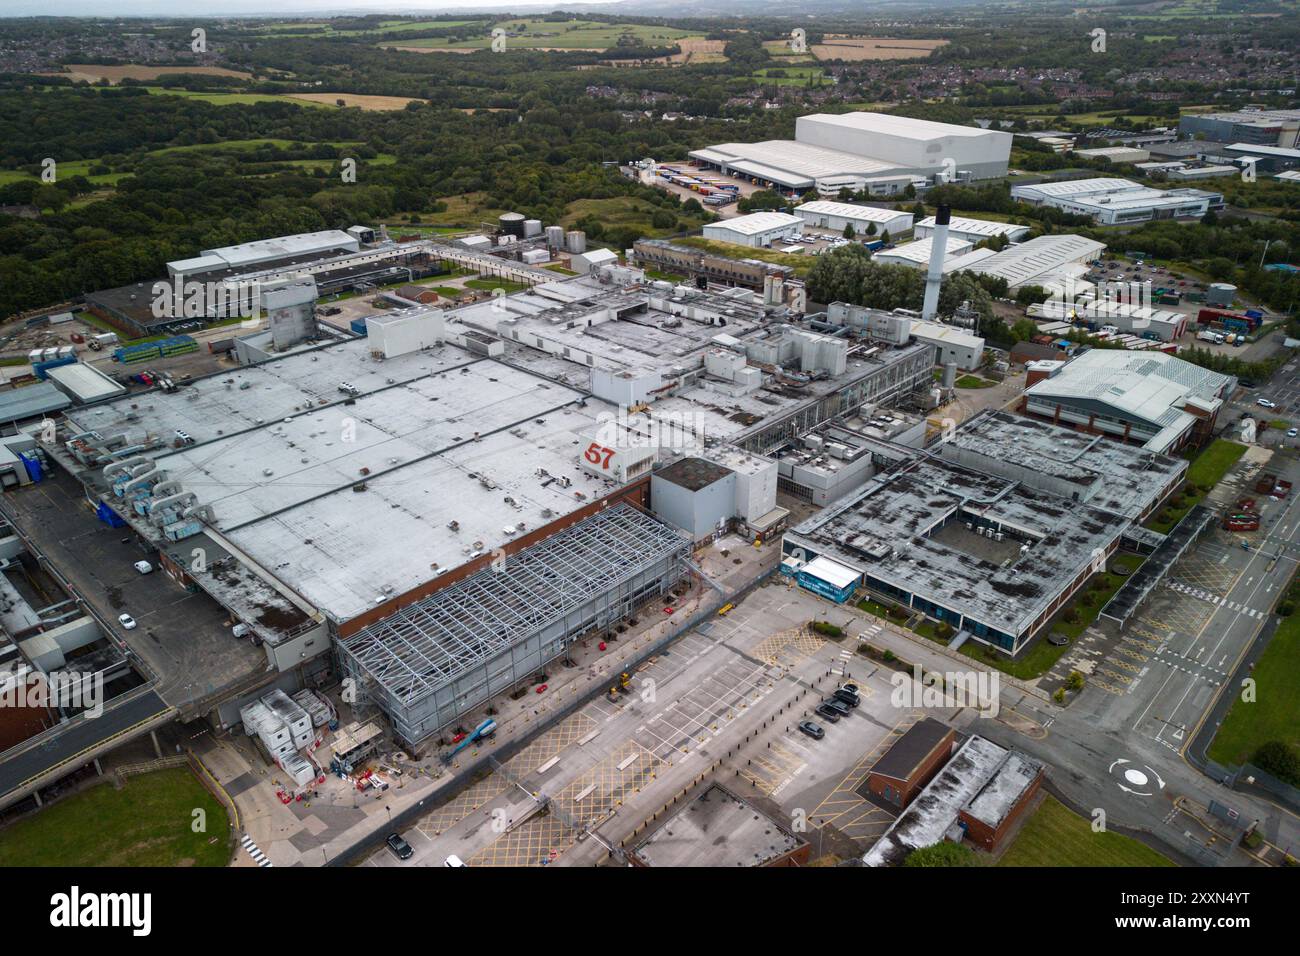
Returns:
(950, 375)
(1221, 294)
(555, 237)
(512, 224)
(532, 227)
(576, 241)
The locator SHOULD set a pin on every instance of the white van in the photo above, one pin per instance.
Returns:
(144, 567)
(453, 860)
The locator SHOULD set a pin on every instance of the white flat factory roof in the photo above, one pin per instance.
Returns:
(85, 382)
(1020, 264)
(787, 160)
(936, 332)
(1150, 386)
(896, 125)
(850, 211)
(1076, 188)
(832, 572)
(273, 461)
(975, 227)
(281, 246)
(1280, 152)
(757, 223)
(919, 251)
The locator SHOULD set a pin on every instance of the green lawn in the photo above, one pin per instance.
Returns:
(489, 284)
(973, 381)
(147, 823)
(1056, 836)
(1205, 471)
(1275, 713)
(1213, 463)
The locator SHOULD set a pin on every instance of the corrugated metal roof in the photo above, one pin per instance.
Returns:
(31, 401)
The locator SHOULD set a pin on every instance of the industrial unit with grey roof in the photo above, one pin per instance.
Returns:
(1048, 500)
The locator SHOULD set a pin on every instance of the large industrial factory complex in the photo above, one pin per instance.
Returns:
(858, 151)
(495, 435)
(429, 494)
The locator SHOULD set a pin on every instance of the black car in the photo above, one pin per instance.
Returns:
(847, 697)
(828, 713)
(812, 730)
(401, 849)
(837, 705)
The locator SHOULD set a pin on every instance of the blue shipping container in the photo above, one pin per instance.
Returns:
(358, 326)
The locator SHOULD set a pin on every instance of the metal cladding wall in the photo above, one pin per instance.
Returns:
(432, 663)
(911, 144)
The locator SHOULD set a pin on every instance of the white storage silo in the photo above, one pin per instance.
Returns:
(576, 241)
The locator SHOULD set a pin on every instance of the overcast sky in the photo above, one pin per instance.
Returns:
(280, 8)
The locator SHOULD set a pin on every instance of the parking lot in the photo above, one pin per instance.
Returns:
(725, 701)
(183, 637)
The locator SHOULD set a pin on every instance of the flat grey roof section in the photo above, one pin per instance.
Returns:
(889, 530)
(1109, 475)
(431, 642)
(30, 401)
(1004, 790)
(717, 829)
(1145, 579)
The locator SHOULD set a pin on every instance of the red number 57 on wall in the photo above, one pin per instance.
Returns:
(598, 454)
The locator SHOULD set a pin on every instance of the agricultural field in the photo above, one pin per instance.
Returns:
(874, 48)
(324, 29)
(792, 76)
(93, 73)
(857, 49)
(576, 35)
(346, 100)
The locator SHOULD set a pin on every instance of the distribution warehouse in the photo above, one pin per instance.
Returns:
(873, 151)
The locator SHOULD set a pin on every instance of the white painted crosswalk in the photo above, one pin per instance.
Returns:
(258, 856)
(1215, 599)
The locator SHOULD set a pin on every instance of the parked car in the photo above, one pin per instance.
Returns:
(1292, 432)
(1265, 403)
(851, 688)
(144, 567)
(847, 697)
(812, 730)
(837, 705)
(127, 621)
(827, 713)
(401, 849)
(454, 860)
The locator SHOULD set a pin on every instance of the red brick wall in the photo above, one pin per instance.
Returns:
(982, 835)
(906, 790)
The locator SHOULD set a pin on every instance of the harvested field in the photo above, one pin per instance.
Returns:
(364, 101)
(873, 48)
(93, 73)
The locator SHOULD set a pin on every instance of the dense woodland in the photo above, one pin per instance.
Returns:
(146, 177)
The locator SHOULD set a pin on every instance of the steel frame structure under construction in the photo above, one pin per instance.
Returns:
(437, 659)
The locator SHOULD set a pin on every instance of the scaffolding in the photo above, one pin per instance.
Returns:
(435, 660)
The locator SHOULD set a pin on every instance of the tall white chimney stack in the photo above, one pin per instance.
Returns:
(934, 275)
